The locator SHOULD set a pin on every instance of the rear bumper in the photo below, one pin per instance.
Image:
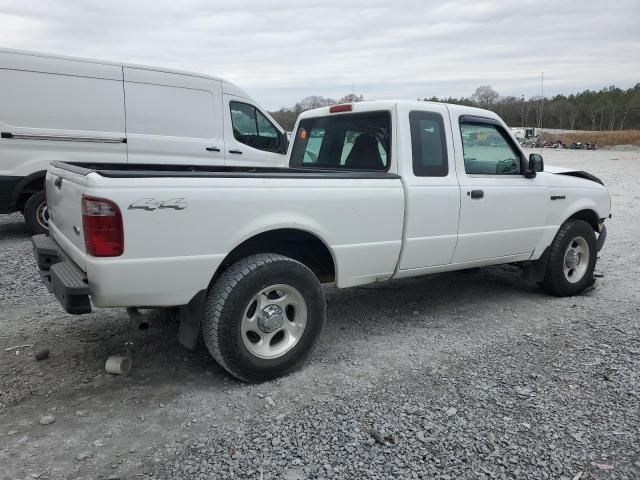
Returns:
(61, 276)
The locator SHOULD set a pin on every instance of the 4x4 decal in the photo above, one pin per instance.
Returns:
(151, 204)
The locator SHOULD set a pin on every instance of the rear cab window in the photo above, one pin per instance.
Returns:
(350, 141)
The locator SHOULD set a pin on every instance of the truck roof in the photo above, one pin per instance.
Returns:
(372, 105)
(228, 86)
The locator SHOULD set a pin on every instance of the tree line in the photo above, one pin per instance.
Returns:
(287, 116)
(611, 108)
(608, 109)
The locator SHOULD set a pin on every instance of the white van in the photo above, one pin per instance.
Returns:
(80, 110)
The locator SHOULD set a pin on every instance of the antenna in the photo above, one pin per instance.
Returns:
(541, 108)
(542, 100)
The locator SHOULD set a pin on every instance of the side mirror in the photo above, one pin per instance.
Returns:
(536, 163)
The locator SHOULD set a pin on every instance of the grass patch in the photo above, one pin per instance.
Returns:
(615, 137)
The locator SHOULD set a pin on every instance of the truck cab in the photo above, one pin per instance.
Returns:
(472, 196)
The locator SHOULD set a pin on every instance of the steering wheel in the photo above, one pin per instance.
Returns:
(507, 166)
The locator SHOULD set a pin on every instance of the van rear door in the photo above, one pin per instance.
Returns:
(173, 118)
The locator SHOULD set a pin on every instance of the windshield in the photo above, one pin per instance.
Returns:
(354, 141)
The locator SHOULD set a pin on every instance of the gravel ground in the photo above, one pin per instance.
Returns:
(460, 375)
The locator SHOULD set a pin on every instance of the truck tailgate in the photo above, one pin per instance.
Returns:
(64, 200)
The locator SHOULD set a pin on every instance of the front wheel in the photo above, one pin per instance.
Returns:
(36, 214)
(263, 316)
(572, 260)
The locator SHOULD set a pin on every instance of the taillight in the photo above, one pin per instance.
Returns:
(344, 107)
(102, 225)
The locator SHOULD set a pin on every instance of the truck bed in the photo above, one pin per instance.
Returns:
(171, 253)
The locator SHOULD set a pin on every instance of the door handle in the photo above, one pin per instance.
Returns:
(237, 152)
(58, 182)
(212, 149)
(475, 194)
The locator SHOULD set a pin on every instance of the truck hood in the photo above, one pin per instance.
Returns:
(572, 173)
(552, 169)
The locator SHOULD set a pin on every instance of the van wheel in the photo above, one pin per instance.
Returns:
(572, 260)
(36, 214)
(263, 317)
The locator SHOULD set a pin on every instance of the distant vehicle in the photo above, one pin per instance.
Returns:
(523, 133)
(55, 108)
(374, 191)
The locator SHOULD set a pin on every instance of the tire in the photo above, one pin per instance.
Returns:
(35, 213)
(560, 279)
(246, 305)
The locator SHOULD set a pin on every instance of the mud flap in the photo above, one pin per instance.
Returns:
(536, 270)
(190, 317)
(601, 238)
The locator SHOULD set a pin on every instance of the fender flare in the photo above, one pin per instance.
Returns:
(266, 225)
(265, 229)
(17, 190)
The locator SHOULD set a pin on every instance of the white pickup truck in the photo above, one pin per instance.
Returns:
(373, 191)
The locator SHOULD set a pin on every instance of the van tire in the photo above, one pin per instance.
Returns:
(35, 213)
(235, 293)
(556, 279)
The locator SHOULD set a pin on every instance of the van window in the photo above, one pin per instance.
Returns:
(61, 102)
(428, 144)
(169, 111)
(352, 141)
(252, 128)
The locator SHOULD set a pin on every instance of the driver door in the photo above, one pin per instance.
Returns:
(250, 136)
(502, 213)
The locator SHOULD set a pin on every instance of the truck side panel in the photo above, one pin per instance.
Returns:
(171, 254)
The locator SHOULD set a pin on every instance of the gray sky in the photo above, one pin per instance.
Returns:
(281, 51)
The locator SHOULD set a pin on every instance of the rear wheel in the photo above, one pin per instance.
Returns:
(263, 316)
(36, 214)
(572, 260)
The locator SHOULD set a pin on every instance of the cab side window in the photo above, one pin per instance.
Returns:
(252, 128)
(428, 144)
(488, 150)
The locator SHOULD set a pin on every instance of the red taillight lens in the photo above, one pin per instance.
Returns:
(345, 107)
(102, 225)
